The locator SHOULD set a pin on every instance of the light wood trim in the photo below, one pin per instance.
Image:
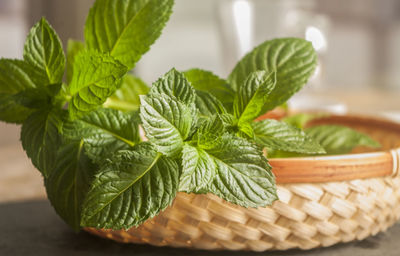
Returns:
(332, 168)
(340, 167)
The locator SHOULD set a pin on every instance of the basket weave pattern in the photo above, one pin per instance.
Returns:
(307, 215)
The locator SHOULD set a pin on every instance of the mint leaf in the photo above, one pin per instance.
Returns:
(210, 132)
(41, 137)
(166, 121)
(104, 131)
(208, 105)
(11, 111)
(300, 120)
(293, 59)
(16, 76)
(246, 130)
(73, 48)
(69, 182)
(243, 176)
(336, 139)
(132, 187)
(43, 50)
(174, 84)
(37, 97)
(208, 82)
(126, 29)
(96, 77)
(277, 135)
(198, 170)
(126, 98)
(253, 95)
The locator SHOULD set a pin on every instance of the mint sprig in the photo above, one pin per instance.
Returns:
(82, 134)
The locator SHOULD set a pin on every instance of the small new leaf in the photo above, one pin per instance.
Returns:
(134, 186)
(210, 132)
(276, 135)
(336, 139)
(293, 59)
(253, 95)
(166, 121)
(41, 138)
(97, 76)
(43, 50)
(126, 29)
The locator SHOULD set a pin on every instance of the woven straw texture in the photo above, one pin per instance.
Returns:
(307, 215)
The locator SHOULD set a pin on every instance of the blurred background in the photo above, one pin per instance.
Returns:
(358, 42)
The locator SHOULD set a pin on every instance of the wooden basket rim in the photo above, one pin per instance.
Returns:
(341, 167)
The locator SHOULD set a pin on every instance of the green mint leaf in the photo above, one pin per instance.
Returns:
(246, 130)
(336, 139)
(96, 77)
(126, 29)
(33, 98)
(16, 76)
(276, 135)
(208, 105)
(300, 120)
(69, 182)
(11, 111)
(132, 187)
(198, 170)
(104, 131)
(43, 50)
(253, 95)
(293, 59)
(243, 176)
(166, 121)
(126, 98)
(73, 48)
(175, 84)
(210, 132)
(206, 81)
(41, 137)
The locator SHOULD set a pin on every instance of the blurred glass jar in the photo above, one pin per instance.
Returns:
(246, 23)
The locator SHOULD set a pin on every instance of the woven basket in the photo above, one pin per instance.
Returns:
(322, 201)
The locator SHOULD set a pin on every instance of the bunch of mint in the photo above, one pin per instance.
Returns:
(82, 131)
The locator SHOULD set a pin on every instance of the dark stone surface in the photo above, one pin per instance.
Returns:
(33, 228)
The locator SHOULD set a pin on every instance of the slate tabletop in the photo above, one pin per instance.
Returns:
(33, 228)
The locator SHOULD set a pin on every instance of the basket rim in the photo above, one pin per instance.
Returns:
(351, 166)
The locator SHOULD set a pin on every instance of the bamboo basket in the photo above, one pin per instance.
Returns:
(322, 201)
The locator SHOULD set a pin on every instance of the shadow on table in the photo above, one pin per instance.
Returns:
(33, 228)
